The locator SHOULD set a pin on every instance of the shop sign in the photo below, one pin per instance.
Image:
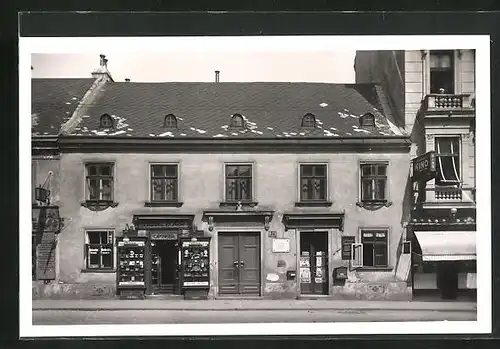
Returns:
(281, 245)
(272, 234)
(163, 235)
(424, 167)
(173, 224)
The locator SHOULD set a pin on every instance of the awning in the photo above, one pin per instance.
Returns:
(447, 245)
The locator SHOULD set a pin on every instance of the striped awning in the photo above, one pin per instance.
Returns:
(447, 245)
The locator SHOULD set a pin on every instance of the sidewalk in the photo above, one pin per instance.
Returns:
(242, 305)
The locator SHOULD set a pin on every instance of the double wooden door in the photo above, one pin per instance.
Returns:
(239, 263)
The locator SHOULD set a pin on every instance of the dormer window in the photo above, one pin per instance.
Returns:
(170, 121)
(106, 121)
(237, 121)
(367, 120)
(309, 121)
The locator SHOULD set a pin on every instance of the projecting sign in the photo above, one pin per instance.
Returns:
(424, 167)
(281, 245)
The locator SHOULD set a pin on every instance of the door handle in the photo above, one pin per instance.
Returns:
(236, 263)
(242, 264)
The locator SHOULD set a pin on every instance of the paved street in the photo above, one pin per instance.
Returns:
(78, 317)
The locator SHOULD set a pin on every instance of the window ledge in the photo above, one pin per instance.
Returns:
(313, 203)
(373, 205)
(235, 203)
(375, 269)
(95, 205)
(163, 204)
(100, 271)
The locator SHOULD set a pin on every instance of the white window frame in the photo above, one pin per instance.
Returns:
(387, 176)
(299, 187)
(460, 162)
(387, 231)
(357, 259)
(111, 233)
(150, 186)
(86, 184)
(224, 180)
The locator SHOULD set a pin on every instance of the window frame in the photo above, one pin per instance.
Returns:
(88, 177)
(365, 117)
(107, 117)
(458, 138)
(308, 117)
(452, 69)
(299, 182)
(374, 178)
(386, 242)
(252, 182)
(232, 123)
(170, 117)
(87, 245)
(151, 197)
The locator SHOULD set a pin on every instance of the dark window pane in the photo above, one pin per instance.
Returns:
(92, 170)
(93, 257)
(105, 170)
(245, 171)
(368, 255)
(440, 60)
(94, 237)
(231, 189)
(448, 169)
(158, 187)
(158, 170)
(380, 254)
(107, 257)
(246, 189)
(171, 170)
(442, 80)
(382, 170)
(320, 170)
(367, 190)
(306, 170)
(171, 189)
(366, 170)
(93, 189)
(106, 189)
(380, 190)
(231, 171)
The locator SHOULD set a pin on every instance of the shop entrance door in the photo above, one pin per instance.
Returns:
(239, 263)
(313, 263)
(164, 269)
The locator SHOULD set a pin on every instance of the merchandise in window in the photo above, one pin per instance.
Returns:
(448, 161)
(313, 182)
(99, 250)
(238, 183)
(373, 182)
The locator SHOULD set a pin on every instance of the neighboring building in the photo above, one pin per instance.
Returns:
(432, 95)
(54, 102)
(290, 180)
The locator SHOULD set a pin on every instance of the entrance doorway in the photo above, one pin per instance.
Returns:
(313, 263)
(164, 271)
(239, 263)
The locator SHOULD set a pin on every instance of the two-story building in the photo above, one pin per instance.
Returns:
(432, 95)
(289, 180)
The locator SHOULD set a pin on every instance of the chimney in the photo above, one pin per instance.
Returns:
(217, 75)
(127, 80)
(102, 72)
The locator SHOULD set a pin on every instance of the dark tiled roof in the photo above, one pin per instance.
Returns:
(271, 110)
(53, 101)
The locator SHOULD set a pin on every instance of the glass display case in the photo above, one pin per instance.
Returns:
(195, 264)
(130, 273)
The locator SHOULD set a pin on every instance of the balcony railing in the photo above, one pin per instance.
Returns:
(448, 102)
(434, 195)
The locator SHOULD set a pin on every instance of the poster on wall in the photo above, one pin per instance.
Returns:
(281, 245)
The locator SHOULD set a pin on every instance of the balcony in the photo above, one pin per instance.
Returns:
(448, 103)
(444, 196)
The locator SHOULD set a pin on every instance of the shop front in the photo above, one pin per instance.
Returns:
(444, 257)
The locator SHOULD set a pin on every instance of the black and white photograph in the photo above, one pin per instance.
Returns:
(255, 185)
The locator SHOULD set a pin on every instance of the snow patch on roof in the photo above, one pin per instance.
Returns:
(270, 128)
(168, 133)
(219, 135)
(201, 131)
(183, 134)
(152, 135)
(343, 115)
(322, 105)
(117, 133)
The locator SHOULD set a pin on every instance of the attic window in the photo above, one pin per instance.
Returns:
(237, 121)
(367, 120)
(309, 121)
(106, 121)
(170, 121)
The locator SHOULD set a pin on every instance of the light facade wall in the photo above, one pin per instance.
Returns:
(275, 181)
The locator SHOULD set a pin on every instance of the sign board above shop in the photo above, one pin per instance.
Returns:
(424, 167)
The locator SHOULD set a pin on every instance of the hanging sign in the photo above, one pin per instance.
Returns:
(424, 167)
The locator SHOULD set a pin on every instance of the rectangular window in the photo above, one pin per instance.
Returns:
(373, 182)
(313, 182)
(99, 182)
(442, 74)
(164, 183)
(99, 250)
(448, 161)
(374, 248)
(238, 183)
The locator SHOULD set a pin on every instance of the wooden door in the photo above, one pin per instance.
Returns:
(239, 263)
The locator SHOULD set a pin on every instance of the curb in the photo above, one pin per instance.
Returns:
(253, 309)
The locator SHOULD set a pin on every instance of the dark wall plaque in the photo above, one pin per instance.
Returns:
(347, 241)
